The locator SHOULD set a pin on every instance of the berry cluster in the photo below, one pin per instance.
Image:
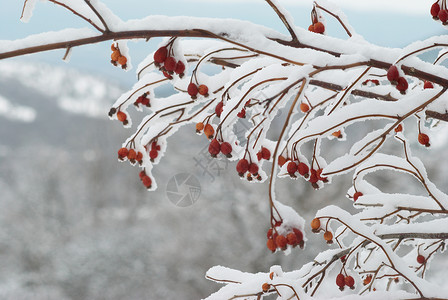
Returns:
(293, 238)
(243, 166)
(439, 13)
(342, 281)
(143, 100)
(394, 77)
(154, 151)
(166, 62)
(216, 147)
(208, 129)
(146, 180)
(131, 155)
(193, 90)
(117, 58)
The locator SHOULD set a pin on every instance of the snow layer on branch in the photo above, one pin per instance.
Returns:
(428, 289)
(28, 8)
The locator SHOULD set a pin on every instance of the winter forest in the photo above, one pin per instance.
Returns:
(227, 157)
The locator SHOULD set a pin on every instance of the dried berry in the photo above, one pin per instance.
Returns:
(367, 280)
(214, 148)
(160, 55)
(199, 127)
(115, 55)
(337, 134)
(122, 60)
(399, 128)
(242, 166)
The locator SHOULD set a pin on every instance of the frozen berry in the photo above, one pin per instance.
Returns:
(226, 149)
(402, 84)
(337, 134)
(340, 281)
(443, 16)
(147, 182)
(122, 153)
(292, 168)
(303, 169)
(299, 234)
(328, 236)
(203, 90)
(242, 114)
(304, 107)
(219, 108)
(253, 169)
(115, 55)
(428, 85)
(192, 90)
(315, 224)
(311, 28)
(269, 233)
(199, 127)
(291, 239)
(242, 166)
(265, 287)
(139, 157)
(423, 139)
(399, 128)
(435, 9)
(367, 280)
(122, 60)
(142, 174)
(113, 47)
(214, 148)
(121, 116)
(313, 176)
(319, 27)
(153, 154)
(160, 55)
(349, 281)
(265, 153)
(392, 74)
(271, 245)
(357, 195)
(281, 241)
(421, 259)
(320, 177)
(170, 64)
(209, 131)
(132, 155)
(281, 160)
(180, 68)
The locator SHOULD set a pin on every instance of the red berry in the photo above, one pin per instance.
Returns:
(292, 168)
(443, 15)
(291, 239)
(214, 148)
(160, 55)
(139, 157)
(271, 245)
(167, 75)
(209, 131)
(153, 154)
(281, 161)
(435, 9)
(349, 281)
(145, 101)
(428, 85)
(226, 149)
(421, 259)
(357, 195)
(340, 281)
(147, 181)
(122, 153)
(269, 234)
(313, 176)
(142, 174)
(170, 64)
(423, 139)
(402, 84)
(399, 128)
(319, 27)
(303, 169)
(281, 241)
(180, 68)
(121, 116)
(311, 28)
(132, 154)
(203, 90)
(242, 166)
(242, 114)
(219, 108)
(253, 169)
(265, 153)
(192, 90)
(298, 234)
(259, 156)
(318, 173)
(392, 74)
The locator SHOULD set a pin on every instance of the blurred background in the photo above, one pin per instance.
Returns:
(77, 224)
